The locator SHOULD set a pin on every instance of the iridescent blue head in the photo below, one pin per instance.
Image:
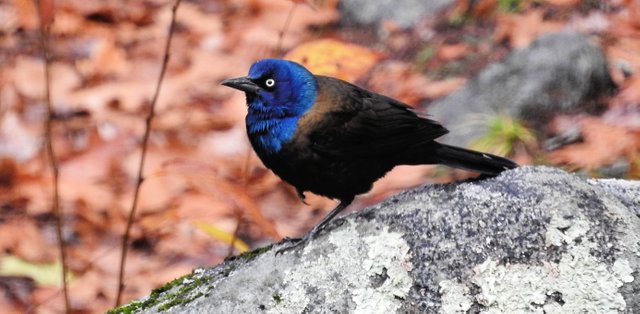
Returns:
(278, 93)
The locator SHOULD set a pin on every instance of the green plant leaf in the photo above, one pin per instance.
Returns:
(503, 133)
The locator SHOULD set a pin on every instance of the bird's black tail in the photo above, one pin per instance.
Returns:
(467, 159)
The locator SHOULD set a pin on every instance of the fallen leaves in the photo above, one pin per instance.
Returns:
(384, 79)
(206, 179)
(602, 144)
(203, 184)
(28, 79)
(520, 30)
(24, 238)
(334, 58)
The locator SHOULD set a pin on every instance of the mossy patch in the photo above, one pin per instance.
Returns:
(161, 295)
(248, 256)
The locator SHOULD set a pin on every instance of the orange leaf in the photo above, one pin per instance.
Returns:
(563, 3)
(335, 58)
(629, 92)
(206, 179)
(46, 11)
(310, 3)
(603, 144)
(520, 30)
(453, 51)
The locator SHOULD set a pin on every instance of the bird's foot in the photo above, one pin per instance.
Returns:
(289, 244)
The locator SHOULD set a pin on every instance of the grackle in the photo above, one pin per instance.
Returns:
(332, 138)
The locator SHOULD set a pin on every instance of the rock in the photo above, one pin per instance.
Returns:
(403, 12)
(533, 239)
(559, 72)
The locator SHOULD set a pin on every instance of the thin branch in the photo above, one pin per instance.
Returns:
(53, 162)
(34, 307)
(144, 144)
(285, 27)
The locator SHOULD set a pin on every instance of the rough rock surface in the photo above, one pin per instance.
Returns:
(559, 72)
(403, 12)
(534, 239)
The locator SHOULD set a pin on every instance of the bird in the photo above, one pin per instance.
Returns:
(329, 137)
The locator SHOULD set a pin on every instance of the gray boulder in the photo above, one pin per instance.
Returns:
(559, 72)
(404, 12)
(532, 240)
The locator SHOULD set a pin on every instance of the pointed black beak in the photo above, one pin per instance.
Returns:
(242, 83)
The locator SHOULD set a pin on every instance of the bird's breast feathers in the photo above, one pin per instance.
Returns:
(268, 134)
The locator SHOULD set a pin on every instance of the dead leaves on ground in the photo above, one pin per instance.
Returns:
(200, 169)
(602, 144)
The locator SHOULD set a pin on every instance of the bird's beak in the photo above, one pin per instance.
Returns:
(242, 83)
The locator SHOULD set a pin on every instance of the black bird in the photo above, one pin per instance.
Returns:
(332, 138)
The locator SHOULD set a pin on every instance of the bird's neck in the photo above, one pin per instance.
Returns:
(272, 119)
(269, 129)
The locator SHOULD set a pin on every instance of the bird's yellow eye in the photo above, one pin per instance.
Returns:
(270, 82)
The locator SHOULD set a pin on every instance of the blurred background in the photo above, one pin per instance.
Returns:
(550, 82)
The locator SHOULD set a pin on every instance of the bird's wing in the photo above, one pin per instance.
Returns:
(361, 124)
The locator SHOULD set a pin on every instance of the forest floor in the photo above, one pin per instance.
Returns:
(205, 194)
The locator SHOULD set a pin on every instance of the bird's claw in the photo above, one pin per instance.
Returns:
(288, 239)
(289, 244)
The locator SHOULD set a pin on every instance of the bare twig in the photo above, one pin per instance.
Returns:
(145, 140)
(285, 27)
(53, 162)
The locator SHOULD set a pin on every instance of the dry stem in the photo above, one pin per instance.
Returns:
(144, 144)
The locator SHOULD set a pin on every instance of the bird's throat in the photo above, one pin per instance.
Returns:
(269, 134)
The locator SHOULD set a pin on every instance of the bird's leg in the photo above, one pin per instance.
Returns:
(293, 243)
(319, 226)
